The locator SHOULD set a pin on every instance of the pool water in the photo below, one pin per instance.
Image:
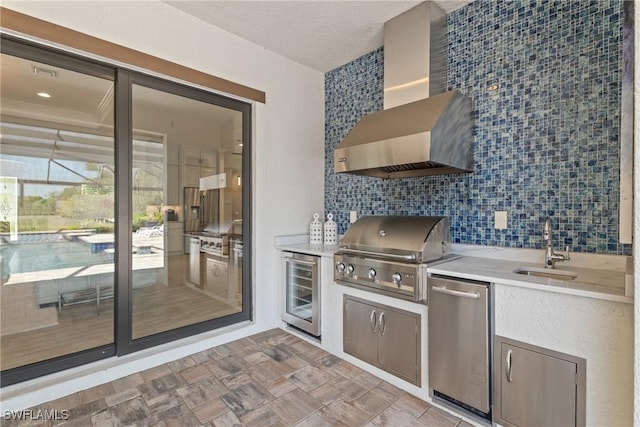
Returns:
(51, 255)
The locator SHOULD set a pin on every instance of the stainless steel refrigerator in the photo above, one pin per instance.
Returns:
(201, 209)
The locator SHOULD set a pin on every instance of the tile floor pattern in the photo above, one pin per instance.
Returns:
(268, 379)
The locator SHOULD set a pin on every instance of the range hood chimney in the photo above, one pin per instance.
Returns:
(423, 129)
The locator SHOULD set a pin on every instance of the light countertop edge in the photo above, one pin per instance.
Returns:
(493, 271)
(309, 249)
(502, 273)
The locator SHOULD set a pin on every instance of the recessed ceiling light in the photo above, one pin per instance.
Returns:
(44, 95)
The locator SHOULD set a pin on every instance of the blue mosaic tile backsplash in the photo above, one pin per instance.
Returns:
(546, 143)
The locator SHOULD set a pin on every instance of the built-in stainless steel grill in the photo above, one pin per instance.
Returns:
(389, 254)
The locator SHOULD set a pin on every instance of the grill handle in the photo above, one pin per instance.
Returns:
(411, 257)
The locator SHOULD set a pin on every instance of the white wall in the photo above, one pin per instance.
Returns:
(636, 216)
(288, 178)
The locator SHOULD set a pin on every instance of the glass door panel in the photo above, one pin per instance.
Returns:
(56, 212)
(300, 290)
(302, 298)
(187, 211)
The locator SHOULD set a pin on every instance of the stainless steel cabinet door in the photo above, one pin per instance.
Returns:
(360, 337)
(217, 278)
(383, 336)
(536, 389)
(398, 350)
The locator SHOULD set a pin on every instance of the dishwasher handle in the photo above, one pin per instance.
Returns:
(461, 294)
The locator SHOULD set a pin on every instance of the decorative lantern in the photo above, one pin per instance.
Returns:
(315, 230)
(330, 231)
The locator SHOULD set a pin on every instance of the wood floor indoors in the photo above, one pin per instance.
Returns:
(156, 308)
(269, 379)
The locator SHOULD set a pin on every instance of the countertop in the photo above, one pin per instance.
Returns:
(602, 284)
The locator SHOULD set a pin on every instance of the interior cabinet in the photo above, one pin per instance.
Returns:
(191, 156)
(191, 176)
(197, 163)
(173, 236)
(172, 175)
(374, 333)
(173, 154)
(207, 171)
(197, 157)
(216, 278)
(173, 185)
(534, 386)
(208, 159)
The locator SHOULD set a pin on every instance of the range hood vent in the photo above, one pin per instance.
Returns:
(423, 130)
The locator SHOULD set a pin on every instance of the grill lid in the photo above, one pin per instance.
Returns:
(411, 238)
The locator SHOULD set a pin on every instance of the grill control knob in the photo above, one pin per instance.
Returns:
(340, 267)
(396, 278)
(350, 268)
(371, 273)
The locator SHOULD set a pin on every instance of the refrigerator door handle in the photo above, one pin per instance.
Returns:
(202, 210)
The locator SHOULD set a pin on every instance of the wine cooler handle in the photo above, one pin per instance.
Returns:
(300, 261)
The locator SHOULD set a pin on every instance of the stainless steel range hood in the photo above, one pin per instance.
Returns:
(423, 130)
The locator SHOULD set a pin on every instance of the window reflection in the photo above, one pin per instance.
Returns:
(56, 212)
(187, 212)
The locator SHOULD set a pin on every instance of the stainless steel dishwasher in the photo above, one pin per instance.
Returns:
(459, 326)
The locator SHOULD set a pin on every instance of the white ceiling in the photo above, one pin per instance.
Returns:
(319, 34)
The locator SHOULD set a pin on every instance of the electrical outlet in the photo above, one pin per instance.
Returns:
(500, 220)
(353, 216)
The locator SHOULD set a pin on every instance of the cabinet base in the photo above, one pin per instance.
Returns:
(474, 413)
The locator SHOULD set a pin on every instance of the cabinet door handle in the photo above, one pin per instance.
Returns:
(507, 365)
(383, 324)
(372, 321)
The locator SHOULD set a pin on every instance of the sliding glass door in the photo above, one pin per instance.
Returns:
(123, 208)
(57, 207)
(186, 213)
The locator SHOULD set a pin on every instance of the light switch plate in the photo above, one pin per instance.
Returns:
(353, 216)
(500, 220)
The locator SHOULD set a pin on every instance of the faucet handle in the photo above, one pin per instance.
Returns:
(547, 230)
(566, 253)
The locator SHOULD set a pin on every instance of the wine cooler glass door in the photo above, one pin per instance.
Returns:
(302, 296)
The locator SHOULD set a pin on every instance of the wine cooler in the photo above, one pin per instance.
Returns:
(302, 292)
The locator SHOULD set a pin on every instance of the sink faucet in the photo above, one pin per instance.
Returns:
(550, 257)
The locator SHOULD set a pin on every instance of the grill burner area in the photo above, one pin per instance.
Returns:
(389, 254)
(215, 245)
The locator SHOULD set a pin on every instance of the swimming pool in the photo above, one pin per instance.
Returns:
(33, 255)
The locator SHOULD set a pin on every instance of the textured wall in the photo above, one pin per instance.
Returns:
(546, 143)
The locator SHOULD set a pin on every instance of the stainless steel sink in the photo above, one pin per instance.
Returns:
(547, 273)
